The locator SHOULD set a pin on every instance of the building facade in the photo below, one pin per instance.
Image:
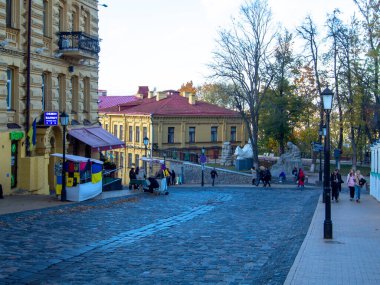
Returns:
(176, 124)
(48, 63)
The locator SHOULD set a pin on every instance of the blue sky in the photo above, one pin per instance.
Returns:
(164, 43)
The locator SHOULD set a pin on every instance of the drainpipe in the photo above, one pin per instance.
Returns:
(27, 119)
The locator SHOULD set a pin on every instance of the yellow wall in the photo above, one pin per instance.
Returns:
(5, 166)
(157, 132)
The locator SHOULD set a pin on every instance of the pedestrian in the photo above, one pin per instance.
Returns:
(295, 174)
(254, 175)
(359, 182)
(132, 176)
(340, 180)
(214, 174)
(267, 177)
(173, 177)
(335, 183)
(351, 183)
(261, 175)
(282, 177)
(301, 179)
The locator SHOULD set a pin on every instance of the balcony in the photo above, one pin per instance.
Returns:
(78, 45)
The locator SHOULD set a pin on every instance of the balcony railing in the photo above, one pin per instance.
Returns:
(78, 44)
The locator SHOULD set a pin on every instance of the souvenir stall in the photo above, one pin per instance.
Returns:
(83, 177)
(375, 170)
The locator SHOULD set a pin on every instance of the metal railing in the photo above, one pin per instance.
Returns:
(78, 41)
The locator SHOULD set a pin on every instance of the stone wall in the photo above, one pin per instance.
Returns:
(192, 174)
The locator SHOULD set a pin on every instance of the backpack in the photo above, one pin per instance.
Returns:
(362, 181)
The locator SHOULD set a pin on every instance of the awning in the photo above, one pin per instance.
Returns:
(96, 137)
(76, 158)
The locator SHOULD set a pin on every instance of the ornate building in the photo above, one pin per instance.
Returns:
(176, 124)
(48, 63)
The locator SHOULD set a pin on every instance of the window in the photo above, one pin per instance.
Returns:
(137, 160)
(214, 134)
(75, 20)
(116, 158)
(61, 90)
(60, 19)
(75, 94)
(129, 160)
(106, 127)
(86, 94)
(46, 92)
(171, 135)
(130, 135)
(145, 132)
(87, 25)
(45, 18)
(233, 134)
(191, 134)
(10, 89)
(10, 15)
(121, 160)
(121, 132)
(137, 138)
(115, 130)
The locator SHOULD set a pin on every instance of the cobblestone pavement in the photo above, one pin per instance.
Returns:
(192, 236)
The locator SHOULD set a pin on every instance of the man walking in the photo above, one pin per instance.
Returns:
(213, 175)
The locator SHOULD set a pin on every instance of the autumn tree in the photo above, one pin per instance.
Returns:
(242, 58)
(188, 87)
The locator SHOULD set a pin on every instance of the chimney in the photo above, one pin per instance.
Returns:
(191, 98)
(160, 96)
(150, 94)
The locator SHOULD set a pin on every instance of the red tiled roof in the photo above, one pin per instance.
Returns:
(109, 101)
(174, 105)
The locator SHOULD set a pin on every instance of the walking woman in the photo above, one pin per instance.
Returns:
(358, 185)
(335, 183)
(351, 183)
(301, 179)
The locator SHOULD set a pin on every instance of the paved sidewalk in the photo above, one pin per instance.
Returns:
(20, 203)
(352, 256)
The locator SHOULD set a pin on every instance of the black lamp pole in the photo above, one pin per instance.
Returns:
(146, 142)
(327, 95)
(203, 167)
(64, 118)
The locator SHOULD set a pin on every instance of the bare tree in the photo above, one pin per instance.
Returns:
(242, 58)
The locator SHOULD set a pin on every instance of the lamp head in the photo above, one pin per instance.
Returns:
(146, 141)
(327, 97)
(64, 119)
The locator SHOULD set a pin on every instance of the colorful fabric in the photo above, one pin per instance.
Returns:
(96, 168)
(70, 182)
(59, 179)
(96, 177)
(82, 166)
(32, 135)
(58, 189)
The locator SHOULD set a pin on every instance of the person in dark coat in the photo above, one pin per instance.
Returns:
(267, 177)
(173, 177)
(132, 176)
(335, 185)
(261, 175)
(214, 174)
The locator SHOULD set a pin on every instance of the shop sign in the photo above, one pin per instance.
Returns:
(15, 136)
(51, 118)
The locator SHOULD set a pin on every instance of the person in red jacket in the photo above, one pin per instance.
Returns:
(301, 178)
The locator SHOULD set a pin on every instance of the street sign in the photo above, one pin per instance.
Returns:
(51, 118)
(317, 147)
(203, 158)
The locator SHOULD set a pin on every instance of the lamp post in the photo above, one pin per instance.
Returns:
(320, 159)
(203, 161)
(327, 96)
(64, 119)
(146, 142)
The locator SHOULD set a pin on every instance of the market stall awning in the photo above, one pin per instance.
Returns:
(96, 137)
(76, 158)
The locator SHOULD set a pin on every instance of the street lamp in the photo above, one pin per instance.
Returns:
(64, 119)
(203, 160)
(146, 142)
(327, 97)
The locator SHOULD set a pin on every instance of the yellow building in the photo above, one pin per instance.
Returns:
(48, 63)
(177, 126)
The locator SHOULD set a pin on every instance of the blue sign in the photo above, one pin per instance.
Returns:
(51, 118)
(203, 158)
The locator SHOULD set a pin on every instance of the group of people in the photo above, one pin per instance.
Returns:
(263, 175)
(355, 181)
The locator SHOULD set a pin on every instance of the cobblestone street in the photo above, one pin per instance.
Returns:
(218, 235)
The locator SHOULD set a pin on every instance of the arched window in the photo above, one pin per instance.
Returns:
(75, 95)
(75, 19)
(87, 23)
(62, 16)
(86, 95)
(10, 89)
